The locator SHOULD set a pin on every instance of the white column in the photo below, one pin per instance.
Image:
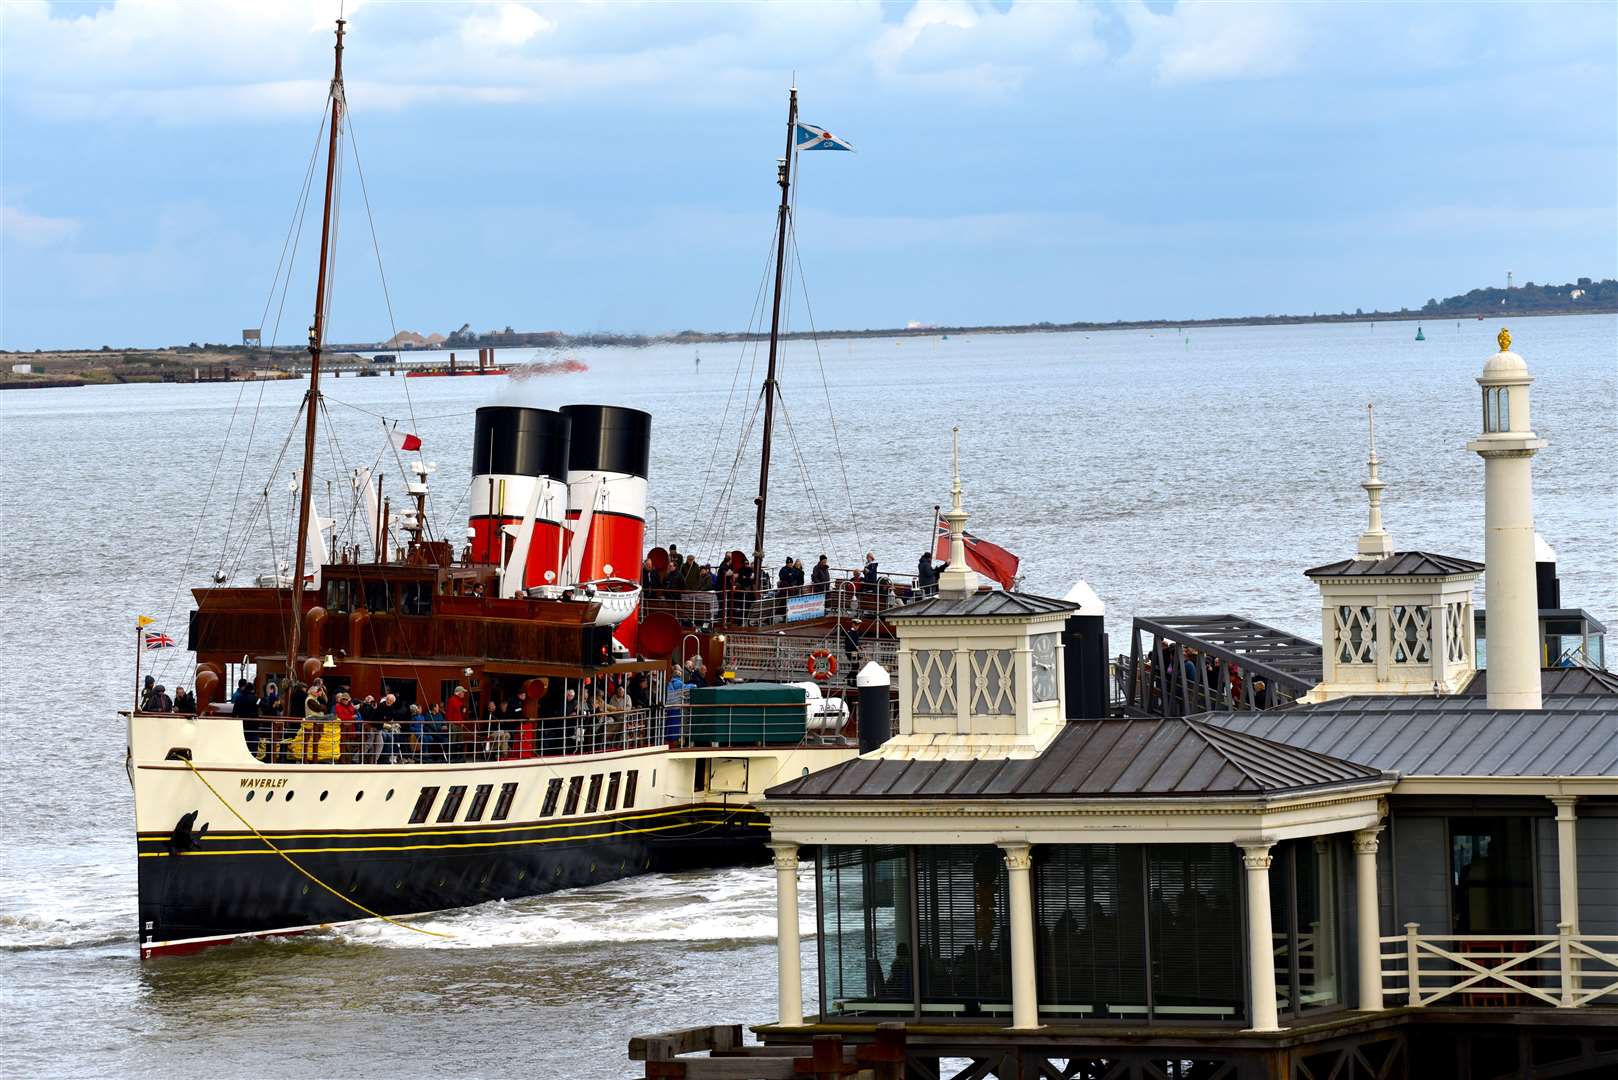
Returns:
(789, 976)
(1260, 937)
(1368, 919)
(1567, 858)
(1024, 985)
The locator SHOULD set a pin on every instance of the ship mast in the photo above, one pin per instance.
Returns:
(317, 337)
(783, 219)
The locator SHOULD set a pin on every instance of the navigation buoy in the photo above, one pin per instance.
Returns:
(1419, 335)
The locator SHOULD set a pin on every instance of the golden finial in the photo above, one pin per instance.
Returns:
(1504, 338)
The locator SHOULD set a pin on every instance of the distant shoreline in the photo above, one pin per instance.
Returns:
(234, 363)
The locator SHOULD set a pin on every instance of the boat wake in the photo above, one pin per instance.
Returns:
(719, 906)
(68, 907)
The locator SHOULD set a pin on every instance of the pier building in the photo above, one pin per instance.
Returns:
(1399, 869)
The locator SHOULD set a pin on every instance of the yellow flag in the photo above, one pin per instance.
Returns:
(144, 620)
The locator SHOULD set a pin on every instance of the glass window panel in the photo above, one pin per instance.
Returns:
(1491, 875)
(962, 910)
(1316, 887)
(1196, 931)
(866, 931)
(1090, 931)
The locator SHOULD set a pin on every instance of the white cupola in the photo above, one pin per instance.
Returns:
(1507, 447)
(1394, 622)
(980, 669)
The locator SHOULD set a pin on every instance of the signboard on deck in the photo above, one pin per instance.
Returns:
(808, 606)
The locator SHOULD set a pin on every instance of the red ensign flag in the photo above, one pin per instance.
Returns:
(990, 560)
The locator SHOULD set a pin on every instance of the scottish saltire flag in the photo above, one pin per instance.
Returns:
(156, 639)
(818, 138)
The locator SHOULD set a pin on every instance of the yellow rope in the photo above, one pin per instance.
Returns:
(301, 870)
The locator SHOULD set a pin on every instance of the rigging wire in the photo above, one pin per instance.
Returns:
(825, 385)
(241, 481)
(294, 225)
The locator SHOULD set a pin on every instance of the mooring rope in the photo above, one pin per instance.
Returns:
(267, 843)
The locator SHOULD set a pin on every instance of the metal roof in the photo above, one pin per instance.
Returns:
(1399, 564)
(1558, 682)
(1255, 646)
(1448, 736)
(985, 603)
(1116, 758)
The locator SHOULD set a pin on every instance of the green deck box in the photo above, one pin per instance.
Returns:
(747, 714)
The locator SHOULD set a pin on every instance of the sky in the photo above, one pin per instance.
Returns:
(611, 166)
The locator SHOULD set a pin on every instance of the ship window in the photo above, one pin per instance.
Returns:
(553, 791)
(377, 596)
(289, 795)
(339, 596)
(629, 787)
(416, 598)
(269, 796)
(574, 786)
(480, 799)
(612, 791)
(424, 805)
(452, 803)
(593, 799)
(250, 794)
(502, 805)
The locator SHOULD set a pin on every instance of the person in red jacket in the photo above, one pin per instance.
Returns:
(460, 732)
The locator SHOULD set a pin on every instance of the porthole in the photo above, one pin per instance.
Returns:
(269, 796)
(358, 795)
(323, 795)
(398, 884)
(388, 796)
(250, 794)
(290, 794)
(521, 874)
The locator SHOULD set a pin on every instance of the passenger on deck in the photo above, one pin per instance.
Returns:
(330, 745)
(160, 701)
(271, 703)
(244, 706)
(696, 673)
(869, 576)
(345, 713)
(797, 574)
(821, 575)
(671, 716)
(691, 573)
(649, 581)
(368, 728)
(927, 574)
(783, 577)
(495, 737)
(455, 718)
(146, 688)
(674, 580)
(705, 579)
(390, 712)
(184, 702)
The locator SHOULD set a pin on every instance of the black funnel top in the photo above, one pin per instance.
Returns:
(610, 438)
(520, 441)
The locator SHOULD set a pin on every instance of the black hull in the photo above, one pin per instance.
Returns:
(233, 884)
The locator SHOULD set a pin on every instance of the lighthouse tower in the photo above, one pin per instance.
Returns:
(1507, 448)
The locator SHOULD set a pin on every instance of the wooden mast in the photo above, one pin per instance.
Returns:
(317, 336)
(785, 180)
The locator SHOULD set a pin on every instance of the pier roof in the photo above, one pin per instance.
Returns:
(1448, 736)
(1114, 758)
(985, 603)
(1399, 564)
(1557, 682)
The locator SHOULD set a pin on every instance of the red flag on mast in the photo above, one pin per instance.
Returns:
(990, 560)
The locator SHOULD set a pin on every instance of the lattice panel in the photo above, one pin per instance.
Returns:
(1455, 632)
(933, 671)
(994, 683)
(1356, 635)
(1412, 634)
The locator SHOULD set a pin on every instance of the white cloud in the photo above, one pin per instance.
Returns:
(35, 230)
(1201, 41)
(504, 25)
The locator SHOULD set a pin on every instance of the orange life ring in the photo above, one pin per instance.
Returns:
(822, 665)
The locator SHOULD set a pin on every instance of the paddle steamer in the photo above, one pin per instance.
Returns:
(266, 824)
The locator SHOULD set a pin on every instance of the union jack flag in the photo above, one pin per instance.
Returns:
(156, 639)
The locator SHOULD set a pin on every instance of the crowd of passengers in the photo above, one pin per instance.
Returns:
(310, 724)
(731, 583)
(1207, 686)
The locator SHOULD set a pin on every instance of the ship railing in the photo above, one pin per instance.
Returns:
(768, 656)
(1564, 970)
(678, 724)
(846, 596)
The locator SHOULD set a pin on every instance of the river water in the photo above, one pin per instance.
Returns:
(1175, 472)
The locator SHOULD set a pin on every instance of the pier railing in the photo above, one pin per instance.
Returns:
(768, 656)
(1562, 970)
